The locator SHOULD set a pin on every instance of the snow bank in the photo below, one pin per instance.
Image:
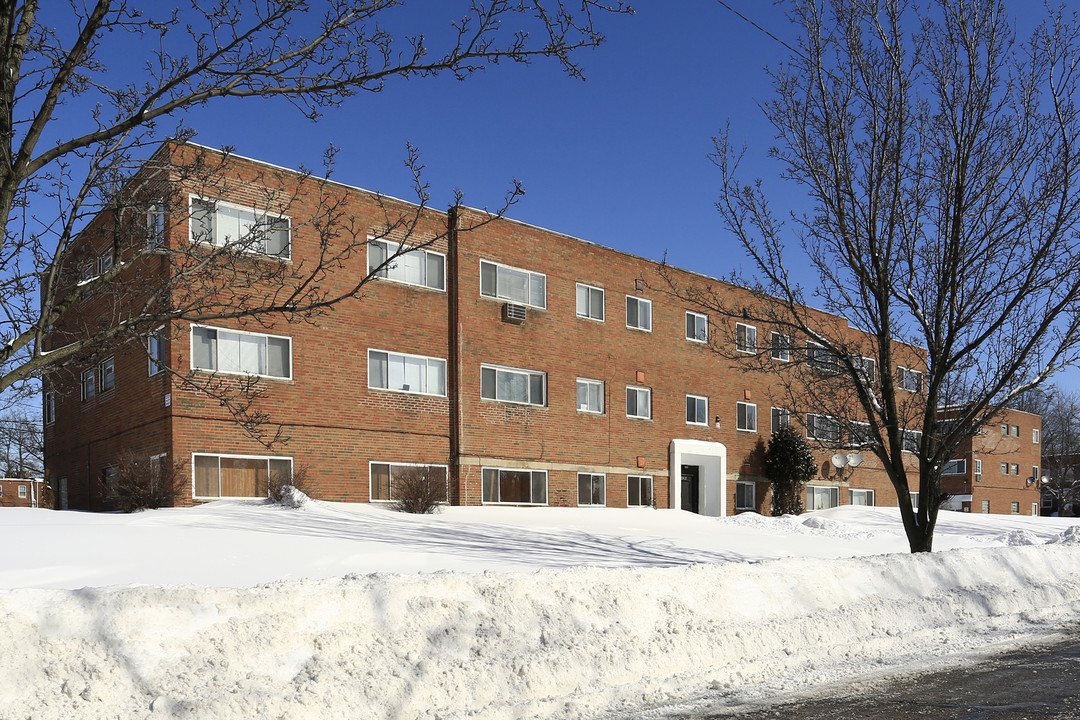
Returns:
(555, 643)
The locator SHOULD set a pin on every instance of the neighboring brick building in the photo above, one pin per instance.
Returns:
(999, 470)
(20, 492)
(525, 366)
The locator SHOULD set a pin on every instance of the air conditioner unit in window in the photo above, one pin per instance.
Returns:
(514, 313)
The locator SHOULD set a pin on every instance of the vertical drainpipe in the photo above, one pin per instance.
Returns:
(453, 375)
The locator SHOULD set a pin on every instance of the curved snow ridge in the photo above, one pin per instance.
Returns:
(582, 642)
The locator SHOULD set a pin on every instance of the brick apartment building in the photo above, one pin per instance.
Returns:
(20, 492)
(999, 470)
(524, 366)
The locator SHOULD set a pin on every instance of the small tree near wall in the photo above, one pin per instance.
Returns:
(789, 465)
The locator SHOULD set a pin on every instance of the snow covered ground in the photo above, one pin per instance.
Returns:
(242, 610)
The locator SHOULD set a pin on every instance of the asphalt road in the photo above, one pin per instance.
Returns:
(1036, 684)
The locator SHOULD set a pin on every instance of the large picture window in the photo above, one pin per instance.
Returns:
(513, 284)
(387, 478)
(226, 476)
(222, 223)
(230, 351)
(822, 498)
(422, 267)
(406, 373)
(516, 486)
(513, 385)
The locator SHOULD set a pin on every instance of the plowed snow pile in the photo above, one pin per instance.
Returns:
(245, 610)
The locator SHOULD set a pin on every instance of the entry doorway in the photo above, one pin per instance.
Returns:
(691, 487)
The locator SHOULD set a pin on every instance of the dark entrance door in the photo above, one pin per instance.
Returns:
(690, 488)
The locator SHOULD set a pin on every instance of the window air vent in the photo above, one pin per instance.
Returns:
(514, 313)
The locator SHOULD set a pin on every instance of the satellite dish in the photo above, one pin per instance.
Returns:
(854, 459)
(839, 460)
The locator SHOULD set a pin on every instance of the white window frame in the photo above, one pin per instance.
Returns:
(1014, 507)
(258, 216)
(88, 384)
(1014, 430)
(812, 491)
(641, 302)
(592, 479)
(977, 469)
(909, 440)
(1004, 429)
(784, 416)
(547, 488)
(698, 401)
(50, 407)
(780, 346)
(1035, 473)
(868, 369)
(155, 225)
(1015, 468)
(1004, 468)
(743, 485)
(641, 480)
(821, 358)
(503, 296)
(956, 466)
(746, 338)
(589, 383)
(858, 433)
(22, 492)
(155, 350)
(219, 456)
(701, 334)
(812, 420)
(191, 340)
(1035, 436)
(588, 293)
(869, 494)
(985, 507)
(428, 362)
(106, 377)
(648, 401)
(391, 248)
(742, 424)
(908, 379)
(105, 262)
(392, 465)
(529, 375)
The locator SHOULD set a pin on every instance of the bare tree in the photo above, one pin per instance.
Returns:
(1060, 442)
(313, 54)
(940, 156)
(21, 445)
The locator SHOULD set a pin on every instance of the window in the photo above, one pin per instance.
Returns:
(638, 313)
(914, 497)
(781, 417)
(421, 267)
(867, 369)
(89, 384)
(590, 395)
(744, 496)
(781, 347)
(986, 506)
(232, 351)
(1004, 468)
(954, 467)
(1015, 467)
(1015, 431)
(108, 476)
(638, 402)
(155, 225)
(513, 284)
(977, 470)
(822, 498)
(1004, 429)
(22, 491)
(509, 485)
(105, 262)
(50, 408)
(107, 374)
(697, 410)
(861, 497)
(697, 327)
(221, 223)
(860, 433)
(1014, 508)
(746, 416)
(590, 489)
(910, 380)
(822, 358)
(1035, 435)
(386, 477)
(223, 476)
(155, 348)
(1035, 473)
(590, 302)
(406, 373)
(639, 491)
(745, 338)
(513, 385)
(823, 428)
(910, 440)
